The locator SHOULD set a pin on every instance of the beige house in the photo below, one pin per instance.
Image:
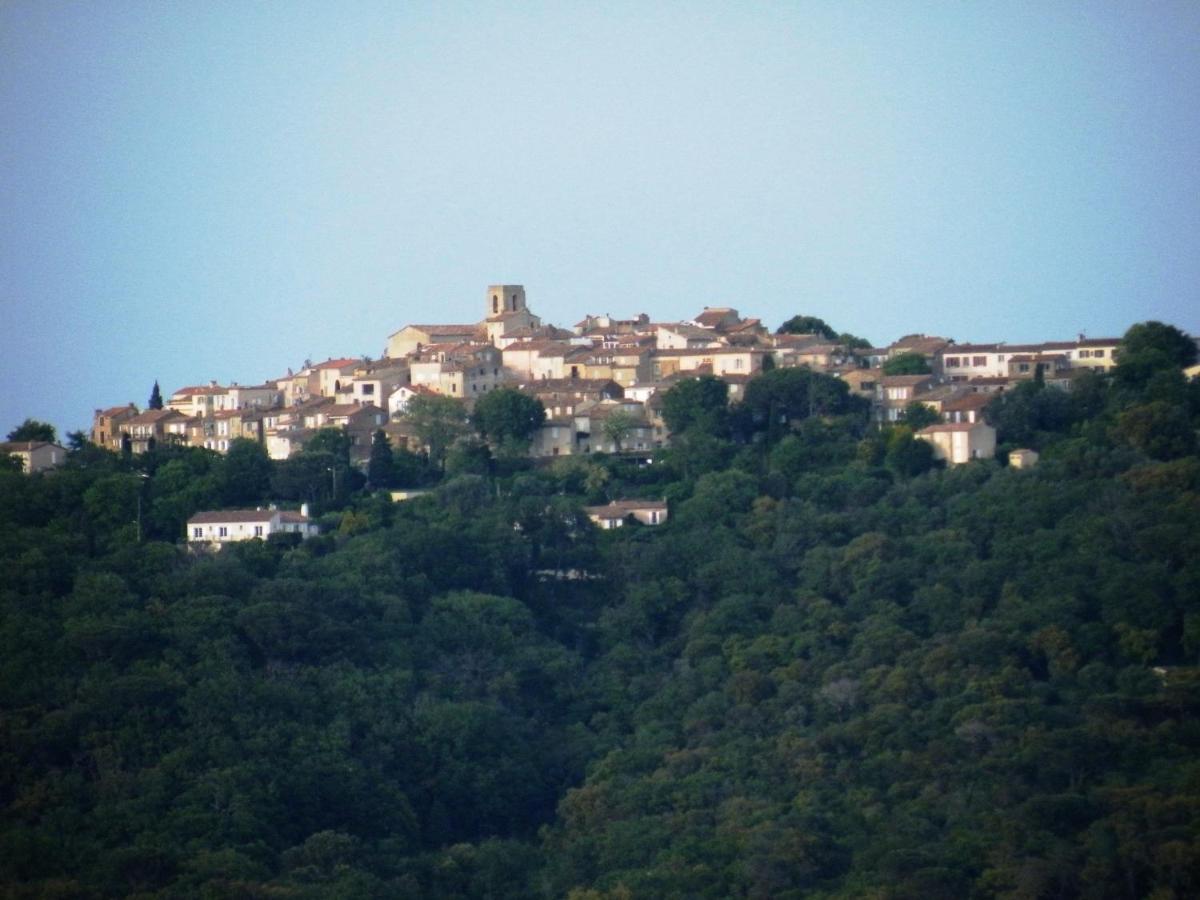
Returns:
(465, 371)
(631, 364)
(251, 396)
(562, 396)
(412, 338)
(685, 336)
(375, 383)
(282, 444)
(966, 407)
(894, 392)
(35, 456)
(960, 442)
(109, 424)
(618, 512)
(718, 361)
(554, 437)
(198, 400)
(1023, 458)
(860, 381)
(229, 526)
(151, 428)
(593, 434)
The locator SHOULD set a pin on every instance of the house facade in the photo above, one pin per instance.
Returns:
(231, 526)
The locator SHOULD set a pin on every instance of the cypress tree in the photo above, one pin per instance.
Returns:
(380, 466)
(155, 398)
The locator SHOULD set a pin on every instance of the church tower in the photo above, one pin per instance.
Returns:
(505, 298)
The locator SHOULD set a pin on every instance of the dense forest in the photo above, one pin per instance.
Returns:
(838, 670)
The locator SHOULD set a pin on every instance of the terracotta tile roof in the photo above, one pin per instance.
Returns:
(445, 330)
(903, 380)
(621, 508)
(117, 410)
(213, 517)
(952, 426)
(151, 416)
(713, 315)
(968, 402)
(24, 446)
(343, 363)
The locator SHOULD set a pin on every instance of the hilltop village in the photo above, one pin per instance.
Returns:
(601, 382)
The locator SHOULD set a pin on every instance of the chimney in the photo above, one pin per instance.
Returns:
(304, 510)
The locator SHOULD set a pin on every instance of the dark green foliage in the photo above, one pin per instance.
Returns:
(906, 364)
(1165, 341)
(156, 400)
(837, 671)
(1031, 415)
(799, 324)
(779, 400)
(245, 474)
(438, 421)
(381, 466)
(697, 406)
(507, 418)
(918, 415)
(33, 430)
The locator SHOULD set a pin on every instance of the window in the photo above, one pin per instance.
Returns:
(368, 389)
(952, 362)
(1023, 367)
(197, 532)
(222, 531)
(1097, 353)
(978, 360)
(258, 530)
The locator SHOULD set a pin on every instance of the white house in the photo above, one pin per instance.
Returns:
(228, 526)
(960, 442)
(35, 456)
(614, 515)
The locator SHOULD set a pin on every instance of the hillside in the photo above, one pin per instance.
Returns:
(838, 670)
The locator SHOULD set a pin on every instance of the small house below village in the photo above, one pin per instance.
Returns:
(35, 456)
(615, 514)
(960, 442)
(228, 526)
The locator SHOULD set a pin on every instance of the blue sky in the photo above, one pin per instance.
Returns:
(220, 190)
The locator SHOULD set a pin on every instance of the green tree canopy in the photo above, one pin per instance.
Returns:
(1151, 348)
(617, 426)
(507, 416)
(245, 473)
(697, 405)
(800, 324)
(775, 400)
(33, 430)
(906, 364)
(156, 400)
(381, 465)
(438, 421)
(917, 415)
(1157, 337)
(334, 441)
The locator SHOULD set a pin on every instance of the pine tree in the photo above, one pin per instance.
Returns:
(155, 398)
(380, 467)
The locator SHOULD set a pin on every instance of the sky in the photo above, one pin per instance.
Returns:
(221, 190)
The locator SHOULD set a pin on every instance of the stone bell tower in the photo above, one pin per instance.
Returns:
(504, 298)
